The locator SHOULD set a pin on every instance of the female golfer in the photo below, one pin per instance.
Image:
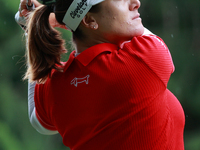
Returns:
(111, 94)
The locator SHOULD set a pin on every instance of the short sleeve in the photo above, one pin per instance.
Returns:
(152, 50)
(42, 107)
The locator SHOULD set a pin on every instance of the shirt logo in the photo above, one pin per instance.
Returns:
(76, 80)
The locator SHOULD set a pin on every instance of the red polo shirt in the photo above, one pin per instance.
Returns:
(109, 98)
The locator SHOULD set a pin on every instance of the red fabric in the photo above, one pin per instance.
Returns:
(114, 99)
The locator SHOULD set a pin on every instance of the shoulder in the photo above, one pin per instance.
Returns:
(148, 43)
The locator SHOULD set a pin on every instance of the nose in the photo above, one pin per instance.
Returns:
(134, 4)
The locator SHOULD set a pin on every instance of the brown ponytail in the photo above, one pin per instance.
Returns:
(44, 46)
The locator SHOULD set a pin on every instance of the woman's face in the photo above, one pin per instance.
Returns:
(119, 20)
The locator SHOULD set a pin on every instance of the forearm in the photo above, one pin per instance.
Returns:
(21, 20)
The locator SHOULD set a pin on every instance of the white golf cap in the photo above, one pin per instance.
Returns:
(77, 10)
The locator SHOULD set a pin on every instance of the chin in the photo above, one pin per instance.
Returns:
(138, 31)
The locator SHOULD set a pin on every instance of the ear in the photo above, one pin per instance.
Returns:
(89, 22)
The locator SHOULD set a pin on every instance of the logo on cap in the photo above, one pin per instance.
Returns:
(81, 6)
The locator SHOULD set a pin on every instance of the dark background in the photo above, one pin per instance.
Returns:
(175, 21)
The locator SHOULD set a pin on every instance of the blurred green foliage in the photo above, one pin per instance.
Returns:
(176, 21)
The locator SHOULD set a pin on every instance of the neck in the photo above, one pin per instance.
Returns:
(81, 46)
(93, 38)
(85, 43)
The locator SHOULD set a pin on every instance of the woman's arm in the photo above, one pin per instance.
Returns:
(25, 7)
(31, 112)
(20, 18)
(22, 14)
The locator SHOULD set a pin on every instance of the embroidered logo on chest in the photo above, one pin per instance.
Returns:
(77, 81)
